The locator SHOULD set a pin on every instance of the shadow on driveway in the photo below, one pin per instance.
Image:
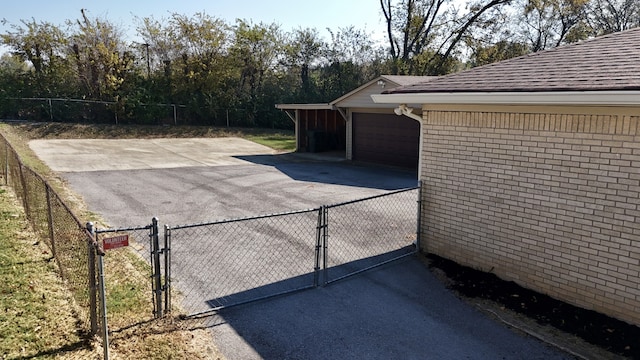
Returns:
(398, 311)
(304, 168)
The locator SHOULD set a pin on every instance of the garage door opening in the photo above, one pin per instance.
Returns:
(386, 139)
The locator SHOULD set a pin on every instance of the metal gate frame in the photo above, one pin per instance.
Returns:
(327, 243)
(321, 266)
(161, 272)
(313, 265)
(160, 283)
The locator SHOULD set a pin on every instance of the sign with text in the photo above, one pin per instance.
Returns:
(116, 242)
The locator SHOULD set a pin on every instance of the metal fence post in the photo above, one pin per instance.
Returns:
(167, 269)
(47, 189)
(91, 256)
(6, 162)
(50, 110)
(25, 199)
(325, 253)
(316, 268)
(157, 280)
(103, 300)
(419, 226)
(175, 114)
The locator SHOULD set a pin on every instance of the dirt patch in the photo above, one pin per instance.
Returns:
(612, 335)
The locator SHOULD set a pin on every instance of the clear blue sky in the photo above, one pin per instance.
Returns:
(290, 14)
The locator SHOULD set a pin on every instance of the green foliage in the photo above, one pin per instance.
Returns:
(200, 70)
(553, 22)
(497, 52)
(608, 16)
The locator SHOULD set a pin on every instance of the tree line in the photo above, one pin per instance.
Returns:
(212, 68)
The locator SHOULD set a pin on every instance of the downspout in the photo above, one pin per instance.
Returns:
(408, 112)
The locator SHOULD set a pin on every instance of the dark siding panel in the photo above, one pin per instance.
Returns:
(329, 122)
(386, 139)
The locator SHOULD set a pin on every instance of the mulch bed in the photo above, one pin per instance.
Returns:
(610, 334)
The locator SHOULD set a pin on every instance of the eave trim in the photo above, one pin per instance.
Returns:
(604, 98)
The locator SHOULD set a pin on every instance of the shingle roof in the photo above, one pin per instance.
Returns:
(610, 62)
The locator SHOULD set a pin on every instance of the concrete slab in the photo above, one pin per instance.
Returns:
(135, 154)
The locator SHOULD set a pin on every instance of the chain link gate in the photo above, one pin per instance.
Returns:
(220, 264)
(232, 262)
(159, 265)
(362, 234)
(227, 263)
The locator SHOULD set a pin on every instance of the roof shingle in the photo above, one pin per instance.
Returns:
(610, 62)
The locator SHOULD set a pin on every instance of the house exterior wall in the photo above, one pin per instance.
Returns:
(546, 197)
(361, 97)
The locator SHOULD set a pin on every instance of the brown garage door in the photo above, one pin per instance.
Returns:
(386, 139)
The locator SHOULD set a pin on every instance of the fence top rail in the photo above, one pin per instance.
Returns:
(372, 197)
(264, 216)
(114, 230)
(91, 101)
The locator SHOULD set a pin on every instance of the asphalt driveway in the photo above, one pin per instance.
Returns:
(399, 311)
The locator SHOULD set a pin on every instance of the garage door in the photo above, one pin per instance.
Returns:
(386, 139)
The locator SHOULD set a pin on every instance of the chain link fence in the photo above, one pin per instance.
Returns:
(72, 247)
(369, 232)
(227, 263)
(219, 264)
(111, 112)
(231, 262)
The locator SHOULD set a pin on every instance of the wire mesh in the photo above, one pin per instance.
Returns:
(72, 252)
(4, 158)
(52, 220)
(138, 239)
(232, 262)
(366, 233)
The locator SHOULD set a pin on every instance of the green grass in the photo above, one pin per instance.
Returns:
(36, 310)
(283, 140)
(280, 142)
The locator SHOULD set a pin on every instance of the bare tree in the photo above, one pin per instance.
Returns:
(608, 16)
(550, 23)
(424, 34)
(101, 57)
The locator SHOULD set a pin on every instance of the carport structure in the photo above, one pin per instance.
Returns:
(358, 127)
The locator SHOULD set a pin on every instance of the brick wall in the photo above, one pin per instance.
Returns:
(551, 201)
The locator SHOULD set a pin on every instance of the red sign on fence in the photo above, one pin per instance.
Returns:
(116, 242)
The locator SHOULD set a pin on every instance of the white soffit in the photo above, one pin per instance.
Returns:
(611, 98)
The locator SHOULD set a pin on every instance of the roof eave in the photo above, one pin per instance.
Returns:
(601, 98)
(305, 106)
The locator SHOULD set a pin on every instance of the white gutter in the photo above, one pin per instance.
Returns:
(611, 98)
